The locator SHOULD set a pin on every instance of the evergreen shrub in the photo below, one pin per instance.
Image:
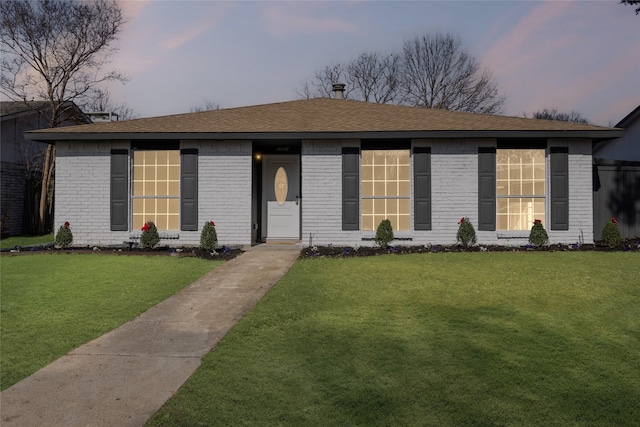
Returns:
(64, 236)
(538, 235)
(150, 237)
(611, 234)
(384, 234)
(466, 233)
(209, 237)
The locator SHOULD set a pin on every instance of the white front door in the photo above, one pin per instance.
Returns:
(281, 197)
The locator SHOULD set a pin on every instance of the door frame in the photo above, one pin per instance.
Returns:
(258, 201)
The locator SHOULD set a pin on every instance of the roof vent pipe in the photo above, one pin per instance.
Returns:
(338, 88)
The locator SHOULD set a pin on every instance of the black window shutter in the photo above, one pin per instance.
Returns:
(350, 188)
(559, 188)
(486, 188)
(119, 198)
(189, 189)
(422, 188)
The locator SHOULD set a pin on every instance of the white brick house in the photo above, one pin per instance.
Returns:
(325, 171)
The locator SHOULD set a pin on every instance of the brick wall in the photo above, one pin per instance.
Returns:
(225, 186)
(224, 192)
(83, 192)
(322, 193)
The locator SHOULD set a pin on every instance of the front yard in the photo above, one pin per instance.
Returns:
(430, 339)
(52, 303)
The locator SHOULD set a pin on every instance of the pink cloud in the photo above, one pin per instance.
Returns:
(281, 21)
(132, 9)
(527, 43)
(198, 28)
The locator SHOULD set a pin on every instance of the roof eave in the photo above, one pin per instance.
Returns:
(52, 137)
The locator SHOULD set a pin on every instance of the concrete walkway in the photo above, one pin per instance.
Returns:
(125, 376)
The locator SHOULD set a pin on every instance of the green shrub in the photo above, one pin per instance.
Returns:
(466, 233)
(384, 234)
(611, 233)
(64, 236)
(538, 235)
(150, 237)
(209, 237)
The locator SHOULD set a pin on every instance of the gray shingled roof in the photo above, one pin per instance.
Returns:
(8, 108)
(320, 116)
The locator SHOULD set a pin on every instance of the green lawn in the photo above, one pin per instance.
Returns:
(52, 303)
(453, 339)
(11, 242)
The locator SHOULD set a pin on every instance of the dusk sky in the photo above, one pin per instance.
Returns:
(571, 55)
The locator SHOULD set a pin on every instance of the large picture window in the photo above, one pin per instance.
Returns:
(386, 188)
(156, 189)
(520, 190)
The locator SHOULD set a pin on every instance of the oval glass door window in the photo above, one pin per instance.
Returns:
(281, 185)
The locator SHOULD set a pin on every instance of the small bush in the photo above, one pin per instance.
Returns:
(611, 233)
(209, 237)
(466, 233)
(538, 235)
(384, 234)
(64, 236)
(150, 237)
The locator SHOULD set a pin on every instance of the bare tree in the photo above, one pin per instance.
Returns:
(431, 71)
(102, 102)
(554, 114)
(439, 73)
(322, 83)
(56, 51)
(208, 105)
(632, 3)
(376, 77)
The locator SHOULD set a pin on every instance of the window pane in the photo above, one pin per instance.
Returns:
(379, 207)
(392, 189)
(367, 173)
(404, 223)
(405, 189)
(367, 188)
(367, 158)
(174, 188)
(174, 222)
(367, 222)
(404, 173)
(392, 206)
(378, 173)
(367, 207)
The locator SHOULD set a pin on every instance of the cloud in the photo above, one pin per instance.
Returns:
(528, 42)
(185, 37)
(131, 9)
(282, 20)
(196, 29)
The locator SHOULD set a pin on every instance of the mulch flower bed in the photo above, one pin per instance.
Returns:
(632, 245)
(224, 253)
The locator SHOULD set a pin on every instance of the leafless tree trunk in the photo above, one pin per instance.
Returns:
(56, 51)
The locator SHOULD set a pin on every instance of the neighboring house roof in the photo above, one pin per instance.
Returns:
(11, 109)
(8, 108)
(324, 118)
(629, 119)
